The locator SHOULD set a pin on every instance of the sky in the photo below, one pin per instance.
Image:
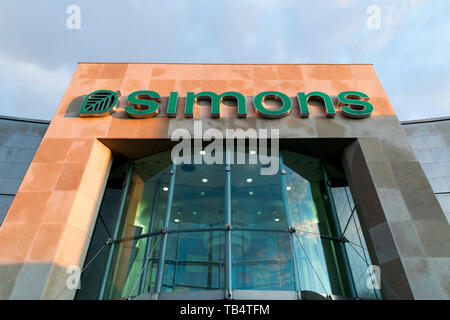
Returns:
(407, 41)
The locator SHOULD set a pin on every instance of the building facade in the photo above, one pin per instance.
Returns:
(430, 140)
(21, 137)
(348, 201)
(19, 140)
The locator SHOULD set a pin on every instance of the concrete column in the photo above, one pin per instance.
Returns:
(49, 224)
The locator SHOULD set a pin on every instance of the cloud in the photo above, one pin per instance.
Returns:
(409, 51)
(30, 90)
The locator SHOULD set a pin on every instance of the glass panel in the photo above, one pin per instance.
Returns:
(320, 264)
(343, 206)
(196, 261)
(143, 213)
(198, 198)
(356, 248)
(256, 200)
(149, 199)
(154, 197)
(129, 262)
(359, 258)
(91, 278)
(308, 205)
(262, 261)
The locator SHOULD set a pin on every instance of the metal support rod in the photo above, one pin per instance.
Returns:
(162, 250)
(289, 223)
(149, 239)
(123, 201)
(349, 219)
(228, 257)
(345, 259)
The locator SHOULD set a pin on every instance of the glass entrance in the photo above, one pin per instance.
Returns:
(189, 227)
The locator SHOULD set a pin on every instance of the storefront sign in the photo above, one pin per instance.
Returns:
(145, 103)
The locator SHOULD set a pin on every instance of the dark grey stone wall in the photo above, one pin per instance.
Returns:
(404, 226)
(19, 140)
(430, 140)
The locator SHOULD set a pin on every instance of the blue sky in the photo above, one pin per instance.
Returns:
(410, 50)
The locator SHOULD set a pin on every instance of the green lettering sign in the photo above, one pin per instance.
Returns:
(172, 106)
(323, 97)
(143, 104)
(261, 108)
(354, 104)
(215, 102)
(100, 103)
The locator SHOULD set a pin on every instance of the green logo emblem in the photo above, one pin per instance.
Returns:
(100, 103)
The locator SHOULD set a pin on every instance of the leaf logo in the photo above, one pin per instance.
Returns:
(100, 103)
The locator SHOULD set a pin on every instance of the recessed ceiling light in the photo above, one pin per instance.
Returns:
(252, 152)
(276, 219)
(250, 193)
(202, 193)
(166, 189)
(249, 180)
(288, 188)
(259, 212)
(194, 213)
(176, 220)
(204, 180)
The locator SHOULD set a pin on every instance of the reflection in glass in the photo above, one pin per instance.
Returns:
(356, 247)
(198, 198)
(259, 203)
(196, 260)
(320, 262)
(262, 261)
(134, 258)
